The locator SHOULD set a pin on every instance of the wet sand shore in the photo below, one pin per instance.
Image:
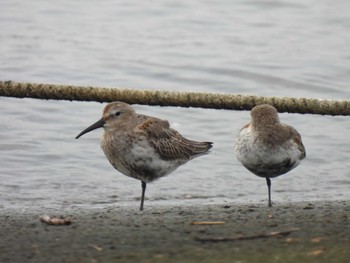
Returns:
(320, 232)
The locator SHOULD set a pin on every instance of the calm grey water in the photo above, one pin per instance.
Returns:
(283, 48)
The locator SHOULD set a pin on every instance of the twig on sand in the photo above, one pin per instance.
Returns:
(241, 237)
(207, 223)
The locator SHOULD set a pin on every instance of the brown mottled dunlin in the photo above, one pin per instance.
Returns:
(267, 147)
(143, 147)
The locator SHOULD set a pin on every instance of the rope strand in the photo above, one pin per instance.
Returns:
(167, 98)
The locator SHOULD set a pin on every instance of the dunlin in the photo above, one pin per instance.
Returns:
(267, 147)
(143, 147)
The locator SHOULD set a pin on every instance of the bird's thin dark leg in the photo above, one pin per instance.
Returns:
(268, 181)
(143, 185)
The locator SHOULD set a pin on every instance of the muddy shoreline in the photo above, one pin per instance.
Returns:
(167, 234)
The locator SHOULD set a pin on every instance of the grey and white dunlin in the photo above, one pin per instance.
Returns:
(267, 147)
(143, 147)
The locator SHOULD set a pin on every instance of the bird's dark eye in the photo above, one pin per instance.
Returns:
(117, 113)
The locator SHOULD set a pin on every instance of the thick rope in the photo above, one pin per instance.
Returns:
(166, 98)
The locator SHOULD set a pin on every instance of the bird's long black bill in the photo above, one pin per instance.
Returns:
(96, 125)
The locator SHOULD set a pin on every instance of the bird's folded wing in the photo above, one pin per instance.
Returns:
(169, 143)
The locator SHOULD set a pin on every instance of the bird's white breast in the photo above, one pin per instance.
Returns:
(251, 151)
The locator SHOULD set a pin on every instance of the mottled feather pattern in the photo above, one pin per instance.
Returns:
(269, 151)
(296, 137)
(267, 147)
(141, 146)
(169, 143)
